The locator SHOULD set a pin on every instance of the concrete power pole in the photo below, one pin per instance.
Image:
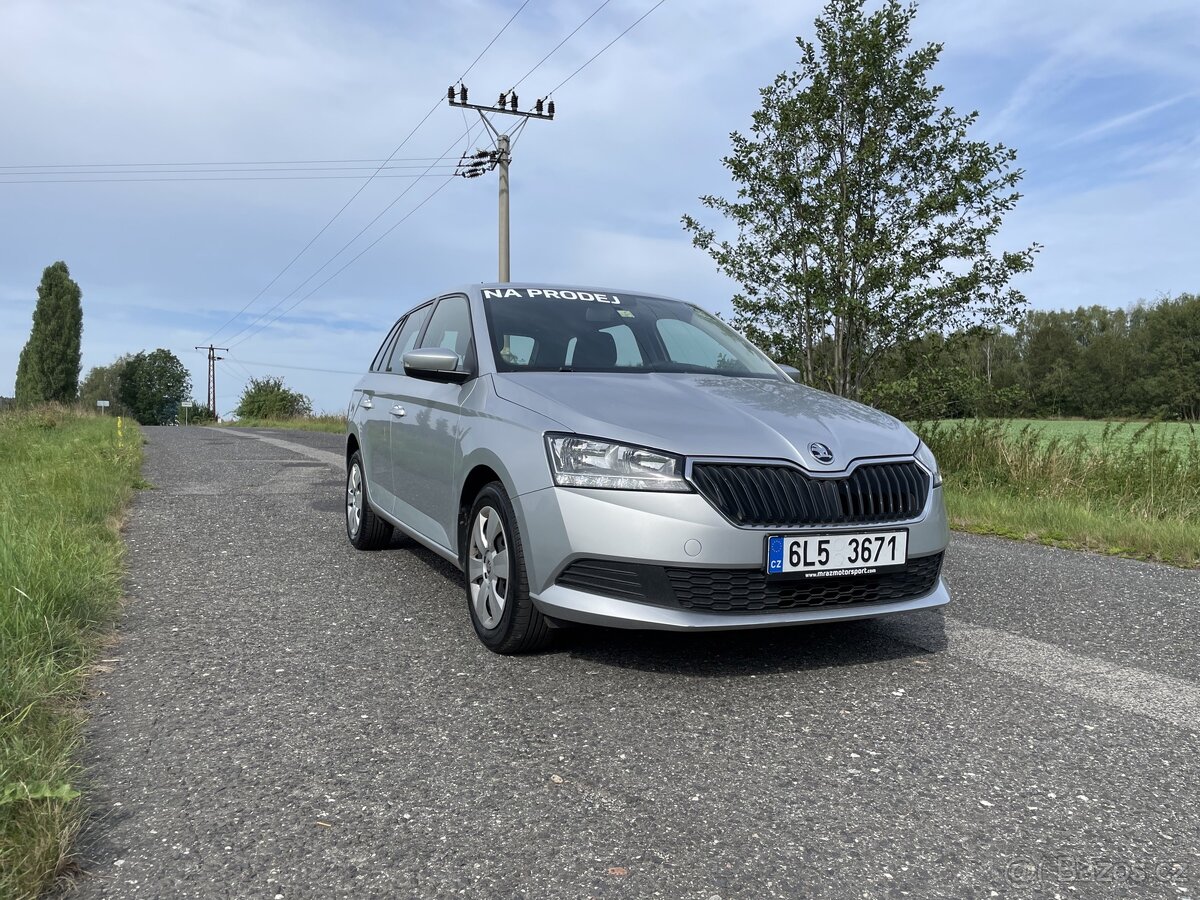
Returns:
(472, 165)
(212, 375)
(502, 146)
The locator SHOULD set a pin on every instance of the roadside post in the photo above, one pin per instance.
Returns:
(102, 405)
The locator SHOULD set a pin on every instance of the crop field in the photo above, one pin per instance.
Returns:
(65, 478)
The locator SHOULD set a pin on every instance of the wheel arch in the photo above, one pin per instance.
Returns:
(481, 469)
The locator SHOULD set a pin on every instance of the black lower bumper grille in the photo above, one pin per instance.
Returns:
(748, 590)
(787, 497)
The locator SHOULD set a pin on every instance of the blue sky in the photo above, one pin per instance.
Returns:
(1101, 99)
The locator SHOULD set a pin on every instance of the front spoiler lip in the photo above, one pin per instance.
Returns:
(586, 608)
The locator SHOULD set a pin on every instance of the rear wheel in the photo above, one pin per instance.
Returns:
(365, 529)
(504, 616)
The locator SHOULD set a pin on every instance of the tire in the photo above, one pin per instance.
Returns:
(365, 529)
(504, 617)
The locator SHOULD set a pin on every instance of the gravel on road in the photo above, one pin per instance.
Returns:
(286, 717)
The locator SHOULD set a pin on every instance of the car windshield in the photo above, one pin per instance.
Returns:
(548, 330)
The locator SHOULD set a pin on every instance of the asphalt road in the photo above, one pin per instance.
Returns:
(285, 717)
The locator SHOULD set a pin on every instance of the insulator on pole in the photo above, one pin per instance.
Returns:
(538, 106)
(513, 101)
(550, 109)
(462, 94)
(500, 102)
(450, 93)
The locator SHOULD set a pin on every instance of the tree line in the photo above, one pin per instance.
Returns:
(1094, 362)
(147, 386)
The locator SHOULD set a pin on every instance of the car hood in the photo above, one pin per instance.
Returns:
(710, 415)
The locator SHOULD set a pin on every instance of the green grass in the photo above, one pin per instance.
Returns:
(1094, 431)
(334, 424)
(1129, 489)
(64, 479)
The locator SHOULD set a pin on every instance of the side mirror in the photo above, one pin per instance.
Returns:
(790, 371)
(431, 361)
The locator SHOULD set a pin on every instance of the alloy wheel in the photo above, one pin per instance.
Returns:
(354, 501)
(488, 567)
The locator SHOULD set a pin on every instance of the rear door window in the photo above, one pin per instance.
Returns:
(382, 352)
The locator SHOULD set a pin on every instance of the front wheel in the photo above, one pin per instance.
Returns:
(365, 529)
(504, 616)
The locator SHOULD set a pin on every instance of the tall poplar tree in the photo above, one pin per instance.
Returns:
(48, 369)
(865, 214)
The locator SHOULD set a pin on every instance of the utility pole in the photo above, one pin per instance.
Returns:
(212, 375)
(472, 165)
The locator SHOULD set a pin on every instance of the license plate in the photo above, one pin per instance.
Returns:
(830, 555)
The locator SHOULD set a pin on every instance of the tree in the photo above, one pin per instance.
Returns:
(153, 385)
(269, 398)
(48, 368)
(1169, 345)
(865, 215)
(104, 383)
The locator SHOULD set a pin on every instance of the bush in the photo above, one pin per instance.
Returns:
(269, 398)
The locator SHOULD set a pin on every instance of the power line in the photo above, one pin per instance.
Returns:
(218, 171)
(560, 43)
(363, 186)
(213, 178)
(637, 22)
(349, 262)
(245, 373)
(270, 162)
(275, 365)
(342, 250)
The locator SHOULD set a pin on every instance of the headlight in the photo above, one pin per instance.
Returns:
(587, 462)
(926, 458)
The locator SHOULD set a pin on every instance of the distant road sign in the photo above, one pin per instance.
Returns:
(102, 403)
(187, 404)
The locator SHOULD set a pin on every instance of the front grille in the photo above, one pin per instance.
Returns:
(748, 590)
(786, 497)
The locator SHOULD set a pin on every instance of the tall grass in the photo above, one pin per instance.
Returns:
(64, 479)
(1131, 489)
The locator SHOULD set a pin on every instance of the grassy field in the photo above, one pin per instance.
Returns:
(64, 479)
(1098, 432)
(1130, 489)
(334, 424)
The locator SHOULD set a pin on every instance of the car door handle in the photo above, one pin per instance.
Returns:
(366, 402)
(398, 411)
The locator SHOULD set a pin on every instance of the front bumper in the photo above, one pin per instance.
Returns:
(573, 605)
(562, 525)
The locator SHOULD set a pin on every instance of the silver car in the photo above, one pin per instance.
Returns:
(616, 458)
